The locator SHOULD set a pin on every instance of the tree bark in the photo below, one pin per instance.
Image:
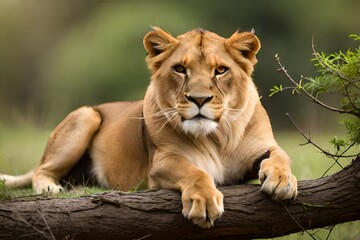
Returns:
(249, 213)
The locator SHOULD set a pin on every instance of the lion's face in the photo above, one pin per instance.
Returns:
(201, 78)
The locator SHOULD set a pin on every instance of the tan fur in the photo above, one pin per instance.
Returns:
(201, 124)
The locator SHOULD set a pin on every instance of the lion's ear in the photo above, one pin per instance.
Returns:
(158, 41)
(245, 43)
(159, 44)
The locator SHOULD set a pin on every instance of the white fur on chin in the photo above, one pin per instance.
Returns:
(199, 127)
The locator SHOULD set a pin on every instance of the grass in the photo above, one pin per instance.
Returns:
(22, 145)
(8, 194)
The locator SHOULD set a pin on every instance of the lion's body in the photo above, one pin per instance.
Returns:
(119, 150)
(201, 124)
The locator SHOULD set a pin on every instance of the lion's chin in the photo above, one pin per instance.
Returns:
(199, 126)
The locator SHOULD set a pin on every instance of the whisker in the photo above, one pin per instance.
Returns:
(234, 112)
(171, 117)
(177, 123)
(232, 109)
(163, 126)
(167, 114)
(233, 118)
(227, 122)
(161, 113)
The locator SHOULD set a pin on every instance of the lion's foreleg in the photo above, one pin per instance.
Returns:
(66, 145)
(276, 177)
(202, 201)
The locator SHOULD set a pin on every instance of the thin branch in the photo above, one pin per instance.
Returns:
(330, 231)
(349, 147)
(309, 141)
(302, 228)
(327, 170)
(307, 94)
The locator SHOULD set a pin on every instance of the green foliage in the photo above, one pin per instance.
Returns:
(339, 73)
(339, 78)
(353, 128)
(337, 143)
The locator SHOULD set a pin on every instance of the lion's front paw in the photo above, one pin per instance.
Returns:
(203, 206)
(279, 183)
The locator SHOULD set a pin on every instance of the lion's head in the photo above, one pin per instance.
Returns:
(200, 80)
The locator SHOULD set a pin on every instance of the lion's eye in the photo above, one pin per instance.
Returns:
(221, 70)
(180, 69)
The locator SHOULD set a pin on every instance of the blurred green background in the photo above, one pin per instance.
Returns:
(57, 55)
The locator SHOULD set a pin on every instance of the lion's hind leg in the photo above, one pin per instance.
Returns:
(66, 145)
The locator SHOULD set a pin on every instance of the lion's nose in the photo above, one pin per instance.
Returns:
(198, 100)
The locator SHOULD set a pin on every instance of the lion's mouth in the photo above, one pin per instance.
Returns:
(195, 118)
(199, 125)
(199, 117)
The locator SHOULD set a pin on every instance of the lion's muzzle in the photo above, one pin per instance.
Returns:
(199, 118)
(198, 100)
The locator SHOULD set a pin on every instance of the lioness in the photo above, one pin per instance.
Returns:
(201, 124)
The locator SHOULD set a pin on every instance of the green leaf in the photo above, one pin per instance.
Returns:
(355, 36)
(275, 89)
(337, 143)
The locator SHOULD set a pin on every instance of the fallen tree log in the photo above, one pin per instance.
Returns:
(249, 213)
